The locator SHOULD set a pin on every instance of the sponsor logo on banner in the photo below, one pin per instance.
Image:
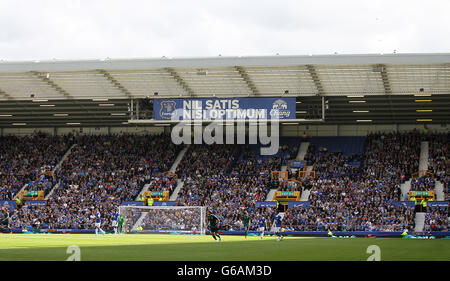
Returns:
(168, 108)
(280, 109)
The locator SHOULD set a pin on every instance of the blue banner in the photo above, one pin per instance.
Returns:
(296, 164)
(266, 204)
(35, 202)
(437, 203)
(164, 203)
(224, 109)
(293, 204)
(404, 203)
(132, 203)
(429, 203)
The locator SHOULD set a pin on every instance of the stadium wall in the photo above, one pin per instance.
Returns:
(312, 130)
(315, 130)
(83, 130)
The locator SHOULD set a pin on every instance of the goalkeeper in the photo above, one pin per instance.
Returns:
(120, 224)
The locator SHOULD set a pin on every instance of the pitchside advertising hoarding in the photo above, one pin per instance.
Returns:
(207, 109)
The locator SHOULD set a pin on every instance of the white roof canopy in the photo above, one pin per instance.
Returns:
(326, 75)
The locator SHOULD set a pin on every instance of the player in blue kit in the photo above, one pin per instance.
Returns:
(278, 220)
(261, 225)
(98, 222)
(115, 219)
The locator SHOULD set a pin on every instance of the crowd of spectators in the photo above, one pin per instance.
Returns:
(227, 196)
(348, 196)
(162, 182)
(426, 182)
(392, 155)
(23, 158)
(212, 160)
(290, 186)
(100, 173)
(334, 165)
(229, 179)
(439, 159)
(439, 155)
(436, 219)
(188, 219)
(349, 192)
(349, 215)
(252, 163)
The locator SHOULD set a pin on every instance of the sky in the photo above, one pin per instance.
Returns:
(96, 29)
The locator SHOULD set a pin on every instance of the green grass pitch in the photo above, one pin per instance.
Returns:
(147, 247)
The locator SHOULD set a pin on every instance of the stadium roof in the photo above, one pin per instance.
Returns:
(376, 87)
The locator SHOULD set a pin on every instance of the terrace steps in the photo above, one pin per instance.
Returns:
(174, 196)
(405, 188)
(270, 195)
(144, 189)
(180, 183)
(424, 154)
(57, 167)
(439, 190)
(179, 158)
(419, 221)
(64, 157)
(302, 150)
(305, 195)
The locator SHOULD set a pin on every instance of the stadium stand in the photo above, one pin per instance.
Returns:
(354, 180)
(100, 172)
(23, 158)
(228, 196)
(439, 160)
(356, 188)
(394, 155)
(426, 182)
(332, 214)
(210, 160)
(437, 219)
(354, 191)
(231, 178)
(345, 145)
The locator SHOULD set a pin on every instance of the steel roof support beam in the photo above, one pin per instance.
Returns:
(46, 79)
(180, 80)
(381, 68)
(116, 83)
(247, 80)
(385, 79)
(315, 77)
